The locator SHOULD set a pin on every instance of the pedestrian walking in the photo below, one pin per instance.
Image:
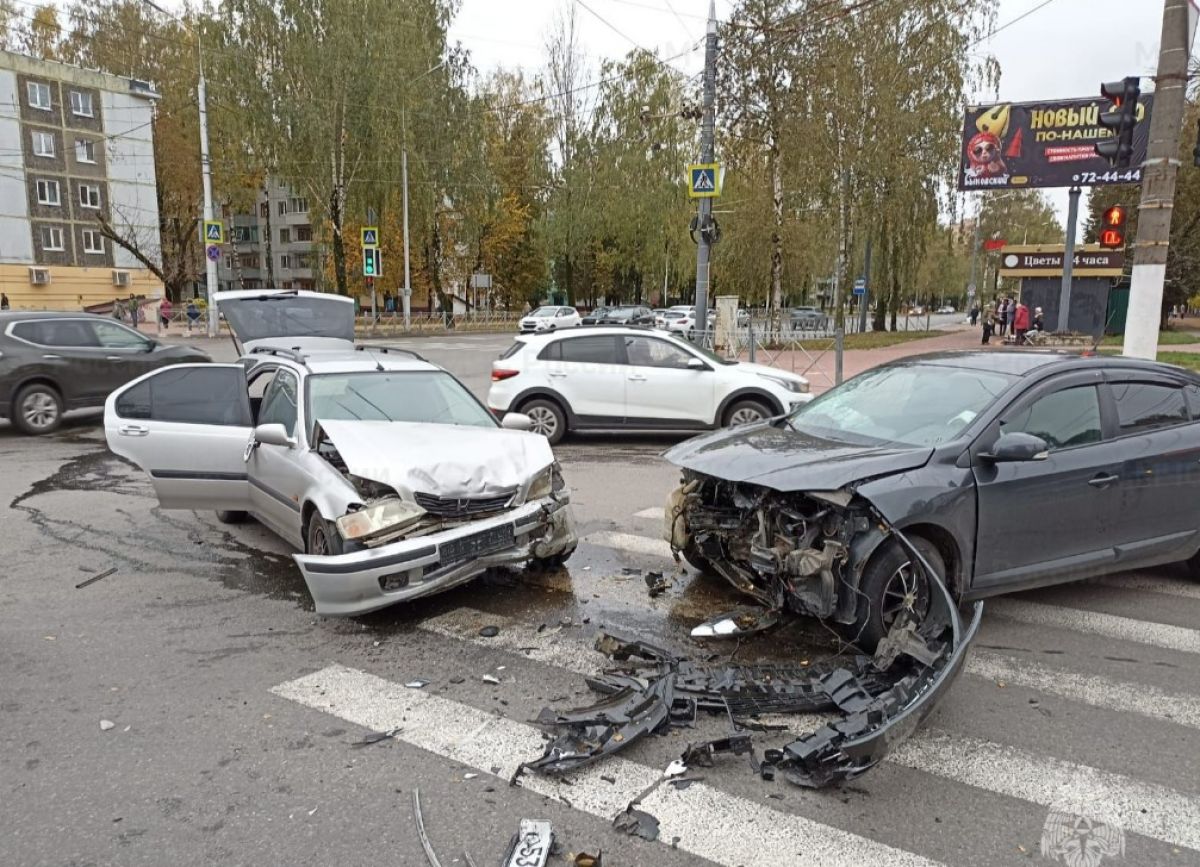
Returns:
(193, 316)
(118, 311)
(164, 313)
(989, 324)
(1039, 322)
(1001, 316)
(134, 311)
(1012, 315)
(1021, 323)
(974, 314)
(3, 301)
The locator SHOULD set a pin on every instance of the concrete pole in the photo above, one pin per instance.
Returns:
(707, 148)
(1158, 180)
(865, 297)
(839, 332)
(406, 300)
(210, 266)
(1064, 297)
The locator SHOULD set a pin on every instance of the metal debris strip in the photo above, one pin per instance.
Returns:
(95, 578)
(377, 737)
(531, 845)
(882, 698)
(430, 855)
(637, 823)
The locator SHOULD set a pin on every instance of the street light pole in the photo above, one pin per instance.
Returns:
(406, 300)
(210, 264)
(707, 147)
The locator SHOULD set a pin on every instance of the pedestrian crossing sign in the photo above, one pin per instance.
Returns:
(704, 181)
(214, 232)
(370, 236)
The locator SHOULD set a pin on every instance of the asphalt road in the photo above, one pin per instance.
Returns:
(239, 715)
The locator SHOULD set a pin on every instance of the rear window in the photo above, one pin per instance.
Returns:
(589, 350)
(56, 332)
(1143, 406)
(512, 350)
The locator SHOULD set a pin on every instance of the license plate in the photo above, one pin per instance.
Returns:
(531, 846)
(477, 544)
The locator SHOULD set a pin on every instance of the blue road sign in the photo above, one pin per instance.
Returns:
(860, 286)
(704, 181)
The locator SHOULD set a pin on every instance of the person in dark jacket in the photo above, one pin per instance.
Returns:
(989, 324)
(1039, 323)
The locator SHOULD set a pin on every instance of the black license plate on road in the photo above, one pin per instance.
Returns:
(477, 544)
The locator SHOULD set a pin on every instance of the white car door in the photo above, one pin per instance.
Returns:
(187, 426)
(662, 387)
(589, 372)
(276, 481)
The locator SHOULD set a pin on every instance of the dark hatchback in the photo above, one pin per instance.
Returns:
(626, 314)
(54, 362)
(1006, 470)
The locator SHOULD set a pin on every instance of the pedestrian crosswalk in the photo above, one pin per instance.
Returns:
(1015, 776)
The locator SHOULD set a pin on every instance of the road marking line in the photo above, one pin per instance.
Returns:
(709, 823)
(1141, 808)
(631, 543)
(1165, 586)
(1114, 626)
(1094, 690)
(654, 512)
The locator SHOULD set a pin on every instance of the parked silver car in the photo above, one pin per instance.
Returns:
(383, 469)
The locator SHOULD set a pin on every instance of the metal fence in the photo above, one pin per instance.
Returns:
(798, 350)
(392, 323)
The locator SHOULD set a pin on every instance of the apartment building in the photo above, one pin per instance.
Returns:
(282, 216)
(74, 144)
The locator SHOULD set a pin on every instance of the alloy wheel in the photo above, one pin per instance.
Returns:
(39, 410)
(544, 420)
(907, 589)
(746, 415)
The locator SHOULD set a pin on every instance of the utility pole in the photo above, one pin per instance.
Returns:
(210, 265)
(1064, 295)
(839, 331)
(1158, 180)
(864, 299)
(707, 148)
(406, 300)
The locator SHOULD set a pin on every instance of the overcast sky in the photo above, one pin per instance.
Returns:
(1064, 49)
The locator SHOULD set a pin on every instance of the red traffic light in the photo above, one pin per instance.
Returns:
(1115, 216)
(1112, 232)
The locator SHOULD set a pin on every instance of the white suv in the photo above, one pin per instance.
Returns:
(550, 319)
(633, 378)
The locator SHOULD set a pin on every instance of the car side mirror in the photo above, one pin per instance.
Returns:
(1016, 447)
(516, 421)
(696, 364)
(273, 435)
(151, 344)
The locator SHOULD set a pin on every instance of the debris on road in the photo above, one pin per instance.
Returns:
(657, 584)
(430, 855)
(583, 859)
(637, 823)
(106, 724)
(95, 578)
(702, 754)
(490, 678)
(417, 684)
(377, 737)
(489, 632)
(531, 845)
(676, 768)
(744, 621)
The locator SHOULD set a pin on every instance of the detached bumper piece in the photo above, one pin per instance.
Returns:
(883, 699)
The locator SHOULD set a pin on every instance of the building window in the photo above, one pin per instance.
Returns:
(242, 234)
(81, 103)
(93, 241)
(285, 262)
(248, 260)
(52, 238)
(302, 260)
(228, 262)
(89, 195)
(264, 210)
(43, 144)
(85, 151)
(299, 205)
(38, 95)
(285, 236)
(283, 207)
(304, 233)
(47, 193)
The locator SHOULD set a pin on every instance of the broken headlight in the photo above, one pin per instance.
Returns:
(548, 481)
(388, 515)
(790, 384)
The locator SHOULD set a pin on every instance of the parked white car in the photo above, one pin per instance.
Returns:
(550, 319)
(391, 478)
(634, 378)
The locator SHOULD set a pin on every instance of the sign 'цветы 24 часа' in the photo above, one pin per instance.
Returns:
(1045, 144)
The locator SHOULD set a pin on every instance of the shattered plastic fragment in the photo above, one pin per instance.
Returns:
(674, 769)
(744, 621)
(106, 724)
(637, 823)
(417, 684)
(489, 678)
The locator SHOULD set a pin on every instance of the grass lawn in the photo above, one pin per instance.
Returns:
(1183, 359)
(874, 339)
(1165, 338)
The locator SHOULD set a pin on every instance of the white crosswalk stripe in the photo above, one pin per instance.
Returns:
(722, 828)
(1162, 635)
(631, 543)
(654, 513)
(1147, 584)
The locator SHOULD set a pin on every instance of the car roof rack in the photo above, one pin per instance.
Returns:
(387, 350)
(291, 354)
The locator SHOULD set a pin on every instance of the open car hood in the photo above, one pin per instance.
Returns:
(440, 459)
(783, 459)
(288, 319)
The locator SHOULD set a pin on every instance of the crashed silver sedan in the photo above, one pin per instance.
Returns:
(391, 478)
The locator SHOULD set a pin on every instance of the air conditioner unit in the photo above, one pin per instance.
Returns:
(120, 278)
(39, 276)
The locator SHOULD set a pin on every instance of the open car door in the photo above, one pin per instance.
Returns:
(288, 318)
(187, 426)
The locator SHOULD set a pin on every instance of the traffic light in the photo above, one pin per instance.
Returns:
(1112, 229)
(372, 262)
(1121, 118)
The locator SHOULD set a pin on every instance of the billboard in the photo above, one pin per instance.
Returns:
(1045, 144)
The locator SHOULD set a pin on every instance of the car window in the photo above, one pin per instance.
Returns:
(281, 403)
(189, 395)
(512, 350)
(1066, 418)
(260, 383)
(565, 311)
(649, 352)
(592, 350)
(56, 332)
(432, 397)
(114, 336)
(1143, 406)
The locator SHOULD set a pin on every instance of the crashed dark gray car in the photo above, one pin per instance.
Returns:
(1005, 470)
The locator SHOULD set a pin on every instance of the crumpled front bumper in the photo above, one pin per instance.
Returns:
(346, 585)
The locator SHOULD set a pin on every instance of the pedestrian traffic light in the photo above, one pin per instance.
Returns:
(1121, 118)
(372, 262)
(1112, 230)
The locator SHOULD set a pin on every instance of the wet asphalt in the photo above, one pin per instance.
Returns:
(182, 644)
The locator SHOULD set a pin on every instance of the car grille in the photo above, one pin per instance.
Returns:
(462, 507)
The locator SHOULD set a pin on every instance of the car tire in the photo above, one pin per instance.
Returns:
(1193, 566)
(231, 517)
(553, 562)
(37, 409)
(548, 418)
(321, 538)
(890, 582)
(746, 412)
(696, 560)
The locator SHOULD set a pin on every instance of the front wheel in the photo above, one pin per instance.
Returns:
(746, 412)
(693, 557)
(37, 410)
(321, 538)
(548, 419)
(891, 583)
(1193, 566)
(230, 517)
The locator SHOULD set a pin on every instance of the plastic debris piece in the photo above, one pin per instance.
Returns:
(657, 584)
(469, 776)
(637, 823)
(95, 578)
(583, 859)
(490, 678)
(430, 855)
(376, 737)
(106, 724)
(489, 632)
(675, 769)
(417, 684)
